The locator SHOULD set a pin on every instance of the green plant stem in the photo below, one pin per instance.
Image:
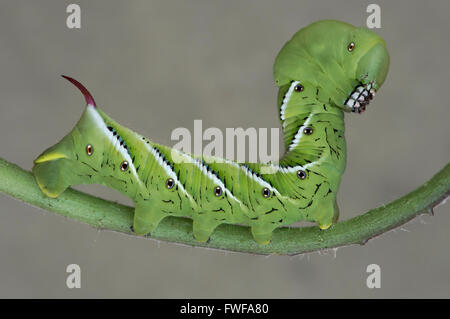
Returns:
(104, 214)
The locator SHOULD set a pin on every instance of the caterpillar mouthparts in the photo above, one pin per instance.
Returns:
(360, 97)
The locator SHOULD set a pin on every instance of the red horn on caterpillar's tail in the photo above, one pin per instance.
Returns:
(87, 96)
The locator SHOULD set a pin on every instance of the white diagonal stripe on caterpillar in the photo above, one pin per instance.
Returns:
(271, 168)
(209, 174)
(250, 174)
(286, 99)
(299, 133)
(166, 167)
(114, 141)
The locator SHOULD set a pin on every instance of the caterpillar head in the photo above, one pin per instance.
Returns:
(79, 156)
(347, 64)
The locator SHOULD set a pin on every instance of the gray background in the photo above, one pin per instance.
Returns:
(158, 65)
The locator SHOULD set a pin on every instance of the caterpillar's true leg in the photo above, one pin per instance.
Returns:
(261, 235)
(203, 228)
(146, 219)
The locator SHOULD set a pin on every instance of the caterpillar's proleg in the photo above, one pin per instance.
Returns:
(261, 235)
(146, 218)
(327, 214)
(203, 228)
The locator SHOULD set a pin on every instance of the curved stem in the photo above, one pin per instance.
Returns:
(100, 213)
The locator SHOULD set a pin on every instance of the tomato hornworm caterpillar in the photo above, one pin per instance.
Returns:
(326, 69)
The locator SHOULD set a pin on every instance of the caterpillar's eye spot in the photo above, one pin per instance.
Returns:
(266, 192)
(351, 46)
(308, 130)
(301, 174)
(299, 88)
(170, 183)
(218, 191)
(89, 149)
(124, 166)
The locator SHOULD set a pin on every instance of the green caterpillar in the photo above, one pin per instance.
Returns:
(326, 68)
